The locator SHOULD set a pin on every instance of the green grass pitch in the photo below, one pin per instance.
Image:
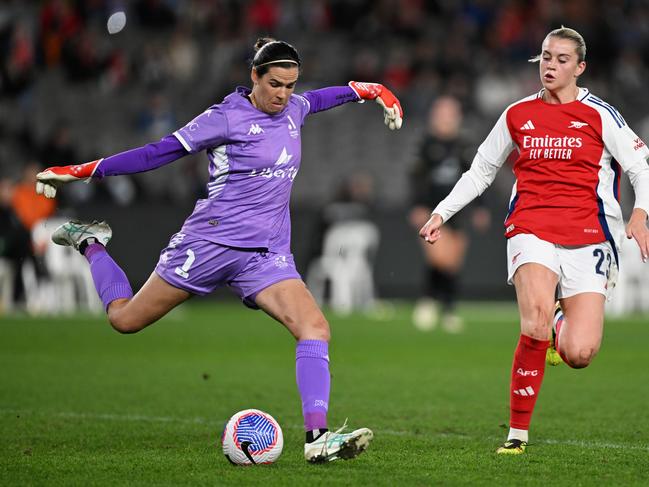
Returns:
(83, 405)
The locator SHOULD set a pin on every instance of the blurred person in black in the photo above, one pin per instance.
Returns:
(443, 156)
(353, 201)
(15, 240)
(17, 59)
(58, 146)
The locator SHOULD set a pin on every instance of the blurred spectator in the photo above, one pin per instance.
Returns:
(15, 248)
(443, 156)
(118, 70)
(157, 118)
(155, 14)
(183, 54)
(154, 122)
(263, 15)
(83, 60)
(29, 209)
(341, 270)
(29, 206)
(366, 64)
(58, 23)
(153, 65)
(17, 60)
(354, 200)
(58, 149)
(398, 72)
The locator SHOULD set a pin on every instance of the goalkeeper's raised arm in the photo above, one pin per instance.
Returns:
(175, 146)
(146, 158)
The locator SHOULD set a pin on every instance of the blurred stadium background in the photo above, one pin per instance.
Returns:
(71, 92)
(81, 404)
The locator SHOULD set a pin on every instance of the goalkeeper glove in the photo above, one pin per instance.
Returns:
(374, 91)
(50, 179)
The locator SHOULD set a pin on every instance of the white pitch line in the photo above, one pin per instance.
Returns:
(170, 419)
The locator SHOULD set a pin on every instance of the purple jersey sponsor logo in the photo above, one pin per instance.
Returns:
(280, 169)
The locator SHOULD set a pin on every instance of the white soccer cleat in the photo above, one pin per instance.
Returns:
(333, 445)
(425, 315)
(74, 232)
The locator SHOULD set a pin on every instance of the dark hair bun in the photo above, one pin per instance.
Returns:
(262, 41)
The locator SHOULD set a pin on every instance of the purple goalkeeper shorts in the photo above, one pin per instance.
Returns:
(199, 266)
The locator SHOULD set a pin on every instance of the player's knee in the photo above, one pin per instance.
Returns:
(581, 357)
(124, 326)
(123, 323)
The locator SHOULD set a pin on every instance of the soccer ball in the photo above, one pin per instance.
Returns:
(252, 437)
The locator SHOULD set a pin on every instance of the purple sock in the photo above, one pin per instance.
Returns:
(110, 281)
(313, 381)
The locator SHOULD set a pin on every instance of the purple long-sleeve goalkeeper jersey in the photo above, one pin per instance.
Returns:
(253, 159)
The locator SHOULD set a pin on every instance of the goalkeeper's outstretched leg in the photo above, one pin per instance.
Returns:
(126, 313)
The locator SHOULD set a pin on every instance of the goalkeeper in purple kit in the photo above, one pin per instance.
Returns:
(239, 235)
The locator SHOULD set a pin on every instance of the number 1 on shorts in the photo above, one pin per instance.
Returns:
(184, 270)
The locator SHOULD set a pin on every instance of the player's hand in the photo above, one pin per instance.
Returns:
(51, 178)
(392, 110)
(637, 228)
(431, 232)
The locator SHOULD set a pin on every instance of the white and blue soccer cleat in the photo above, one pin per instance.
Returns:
(333, 445)
(75, 232)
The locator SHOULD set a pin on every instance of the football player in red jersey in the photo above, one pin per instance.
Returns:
(564, 223)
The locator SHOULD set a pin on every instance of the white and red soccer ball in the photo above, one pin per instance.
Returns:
(252, 437)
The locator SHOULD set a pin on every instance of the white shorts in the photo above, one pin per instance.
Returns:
(581, 268)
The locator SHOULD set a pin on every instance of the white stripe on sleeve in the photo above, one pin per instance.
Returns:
(182, 141)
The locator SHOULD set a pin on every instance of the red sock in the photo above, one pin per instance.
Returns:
(527, 376)
(557, 329)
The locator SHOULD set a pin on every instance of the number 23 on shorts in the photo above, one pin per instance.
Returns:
(601, 268)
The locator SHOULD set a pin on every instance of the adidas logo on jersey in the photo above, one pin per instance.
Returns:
(528, 391)
(528, 126)
(255, 129)
(576, 125)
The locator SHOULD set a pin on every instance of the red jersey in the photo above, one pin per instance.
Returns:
(568, 168)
